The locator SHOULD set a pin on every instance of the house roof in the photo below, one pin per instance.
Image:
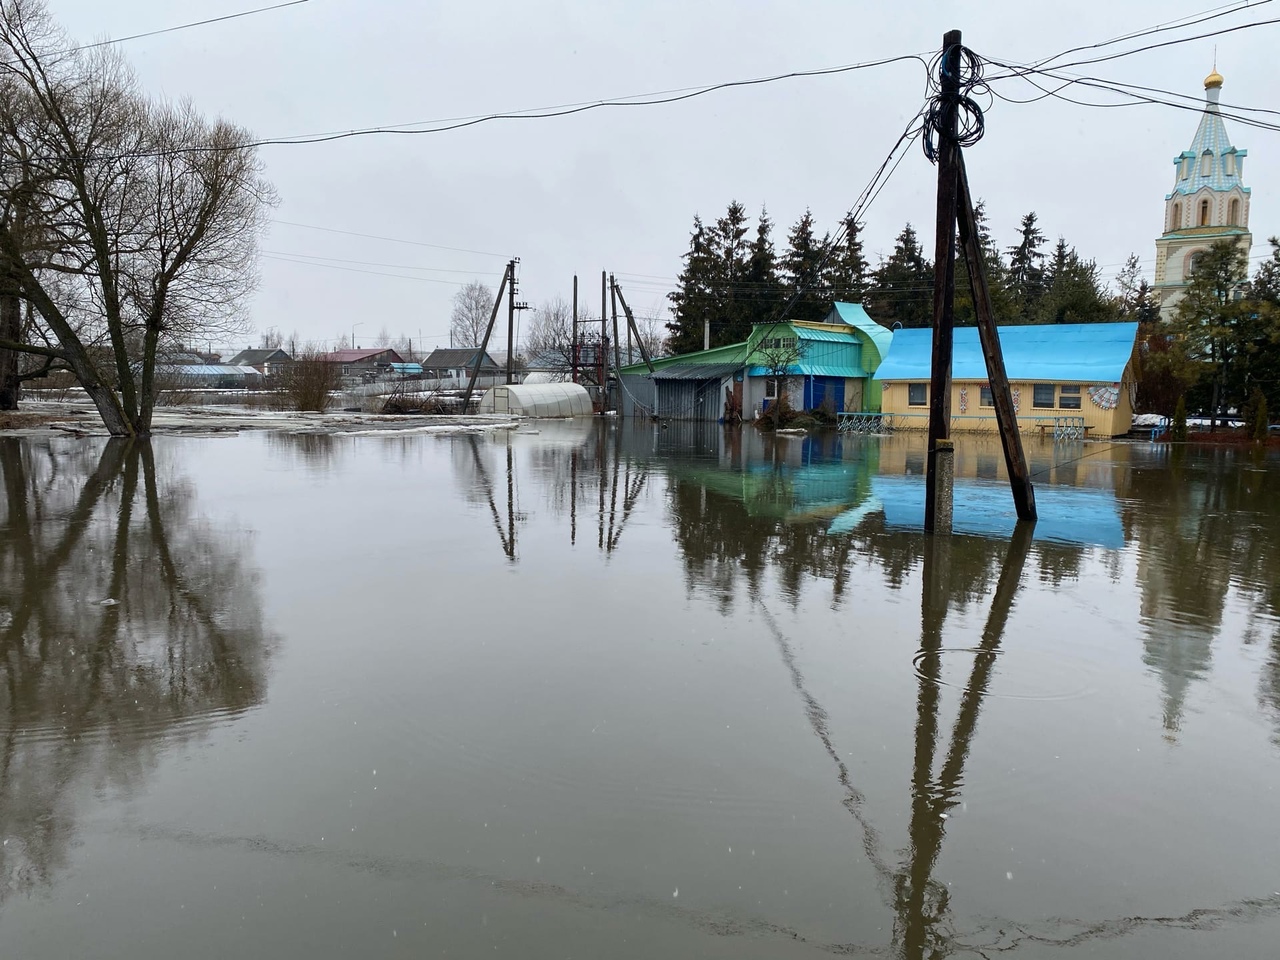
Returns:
(857, 317)
(355, 356)
(207, 370)
(457, 357)
(696, 371)
(1070, 352)
(251, 358)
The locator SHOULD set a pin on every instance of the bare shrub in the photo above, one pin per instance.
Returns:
(308, 383)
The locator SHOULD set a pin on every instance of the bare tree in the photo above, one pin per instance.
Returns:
(125, 223)
(548, 339)
(653, 334)
(472, 307)
(778, 355)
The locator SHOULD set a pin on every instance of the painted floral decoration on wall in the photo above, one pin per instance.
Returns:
(1105, 398)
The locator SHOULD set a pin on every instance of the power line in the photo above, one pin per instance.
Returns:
(188, 26)
(370, 236)
(1181, 23)
(375, 273)
(371, 263)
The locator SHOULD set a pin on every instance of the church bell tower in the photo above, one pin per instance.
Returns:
(1209, 202)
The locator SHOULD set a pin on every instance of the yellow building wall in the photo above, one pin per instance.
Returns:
(967, 416)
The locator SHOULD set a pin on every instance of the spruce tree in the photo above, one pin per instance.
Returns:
(1026, 270)
(802, 271)
(691, 301)
(995, 270)
(762, 288)
(846, 277)
(902, 291)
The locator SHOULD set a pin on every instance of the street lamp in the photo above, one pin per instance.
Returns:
(353, 333)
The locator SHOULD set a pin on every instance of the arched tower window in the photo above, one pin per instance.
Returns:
(1184, 169)
(1206, 163)
(1177, 217)
(1229, 163)
(1234, 216)
(1204, 213)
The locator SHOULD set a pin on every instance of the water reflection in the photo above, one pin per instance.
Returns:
(125, 620)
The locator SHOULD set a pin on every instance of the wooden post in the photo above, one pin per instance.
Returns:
(604, 345)
(1015, 459)
(617, 345)
(479, 358)
(944, 270)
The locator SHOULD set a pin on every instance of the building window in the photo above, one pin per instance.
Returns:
(1177, 216)
(1234, 217)
(917, 394)
(1069, 397)
(1229, 163)
(985, 399)
(771, 387)
(1185, 168)
(778, 343)
(1206, 163)
(1042, 395)
(1204, 213)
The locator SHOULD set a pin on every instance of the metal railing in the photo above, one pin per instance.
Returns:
(1064, 428)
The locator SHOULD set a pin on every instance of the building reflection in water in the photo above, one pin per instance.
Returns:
(126, 622)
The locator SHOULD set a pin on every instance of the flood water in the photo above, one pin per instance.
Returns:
(599, 690)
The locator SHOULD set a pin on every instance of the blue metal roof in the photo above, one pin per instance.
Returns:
(1211, 137)
(1057, 352)
(1081, 516)
(857, 317)
(830, 336)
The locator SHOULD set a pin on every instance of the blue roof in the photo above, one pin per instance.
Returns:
(1211, 137)
(857, 317)
(1080, 516)
(407, 368)
(1055, 352)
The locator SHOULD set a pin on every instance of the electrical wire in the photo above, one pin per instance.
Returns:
(370, 236)
(187, 26)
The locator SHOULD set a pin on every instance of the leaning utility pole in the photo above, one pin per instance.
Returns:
(617, 346)
(632, 328)
(507, 275)
(954, 200)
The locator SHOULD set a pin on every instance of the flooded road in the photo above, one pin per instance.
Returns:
(598, 690)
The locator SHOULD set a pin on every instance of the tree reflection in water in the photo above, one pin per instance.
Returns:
(126, 622)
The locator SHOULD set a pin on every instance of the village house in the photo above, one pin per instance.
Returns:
(367, 363)
(826, 365)
(268, 362)
(457, 363)
(1073, 375)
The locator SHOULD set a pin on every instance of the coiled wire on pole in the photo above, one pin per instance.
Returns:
(970, 124)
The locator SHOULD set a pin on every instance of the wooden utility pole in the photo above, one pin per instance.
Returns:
(617, 345)
(633, 329)
(1015, 459)
(944, 270)
(604, 342)
(573, 339)
(507, 275)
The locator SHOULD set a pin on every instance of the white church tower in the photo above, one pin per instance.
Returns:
(1208, 203)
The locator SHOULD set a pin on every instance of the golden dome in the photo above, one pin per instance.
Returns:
(1213, 81)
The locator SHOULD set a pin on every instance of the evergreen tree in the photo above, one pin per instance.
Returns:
(763, 290)
(710, 287)
(902, 291)
(1026, 270)
(995, 269)
(1214, 321)
(691, 301)
(846, 275)
(1073, 290)
(802, 271)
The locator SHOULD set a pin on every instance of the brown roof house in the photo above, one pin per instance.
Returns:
(367, 362)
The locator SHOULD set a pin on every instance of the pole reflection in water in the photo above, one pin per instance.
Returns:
(125, 620)
(921, 902)
(567, 475)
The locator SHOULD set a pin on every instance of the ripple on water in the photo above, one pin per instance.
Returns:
(1050, 678)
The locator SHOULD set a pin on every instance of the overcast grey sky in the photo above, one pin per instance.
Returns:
(616, 189)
